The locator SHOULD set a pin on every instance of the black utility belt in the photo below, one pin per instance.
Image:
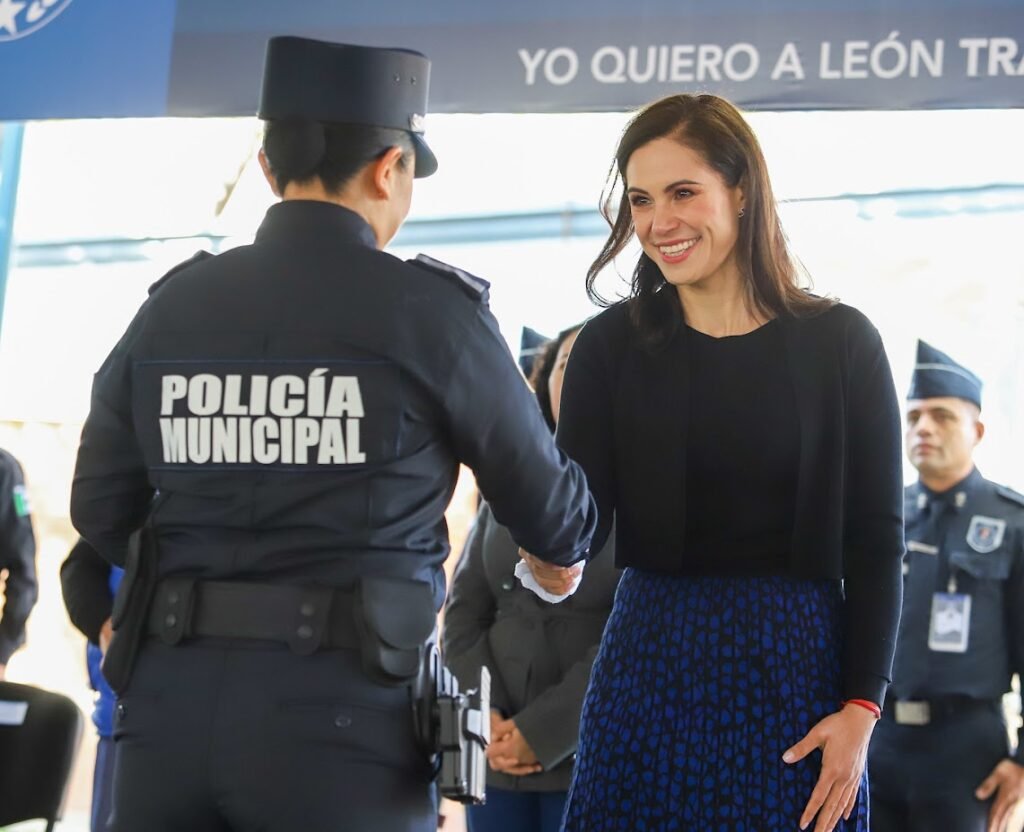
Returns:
(929, 711)
(306, 618)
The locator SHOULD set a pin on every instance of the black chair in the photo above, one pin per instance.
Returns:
(39, 735)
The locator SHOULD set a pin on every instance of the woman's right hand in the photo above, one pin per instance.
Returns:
(558, 580)
(843, 738)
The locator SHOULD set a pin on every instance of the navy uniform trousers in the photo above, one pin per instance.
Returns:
(222, 723)
(923, 777)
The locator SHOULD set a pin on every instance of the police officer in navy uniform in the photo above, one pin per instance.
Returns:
(17, 558)
(284, 424)
(939, 759)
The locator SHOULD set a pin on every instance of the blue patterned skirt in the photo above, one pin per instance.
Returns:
(700, 685)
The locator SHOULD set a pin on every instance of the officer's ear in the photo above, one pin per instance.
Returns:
(387, 171)
(268, 173)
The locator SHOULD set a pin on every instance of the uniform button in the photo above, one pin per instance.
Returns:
(171, 620)
(120, 710)
(342, 721)
(508, 584)
(172, 598)
(305, 631)
(307, 609)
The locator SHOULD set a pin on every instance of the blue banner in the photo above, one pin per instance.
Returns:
(85, 58)
(77, 58)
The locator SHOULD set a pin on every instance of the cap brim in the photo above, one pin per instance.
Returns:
(426, 161)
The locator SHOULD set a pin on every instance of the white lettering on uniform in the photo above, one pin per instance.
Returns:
(258, 396)
(205, 393)
(287, 396)
(345, 398)
(225, 440)
(355, 455)
(172, 388)
(307, 435)
(199, 439)
(233, 397)
(315, 389)
(332, 446)
(296, 419)
(173, 434)
(263, 450)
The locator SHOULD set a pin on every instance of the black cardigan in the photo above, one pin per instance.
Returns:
(624, 419)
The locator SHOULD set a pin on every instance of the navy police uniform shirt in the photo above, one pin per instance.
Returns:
(296, 410)
(17, 556)
(966, 541)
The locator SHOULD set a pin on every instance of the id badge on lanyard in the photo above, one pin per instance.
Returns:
(950, 626)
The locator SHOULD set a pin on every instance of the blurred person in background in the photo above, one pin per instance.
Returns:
(940, 758)
(539, 654)
(17, 558)
(89, 584)
(284, 424)
(744, 434)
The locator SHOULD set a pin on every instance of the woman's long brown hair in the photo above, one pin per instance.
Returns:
(716, 130)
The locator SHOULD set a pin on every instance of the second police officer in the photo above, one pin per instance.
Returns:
(939, 757)
(17, 558)
(285, 422)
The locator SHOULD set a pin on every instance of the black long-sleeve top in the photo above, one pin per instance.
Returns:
(17, 556)
(741, 455)
(624, 417)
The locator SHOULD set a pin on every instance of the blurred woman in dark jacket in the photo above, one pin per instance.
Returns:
(539, 654)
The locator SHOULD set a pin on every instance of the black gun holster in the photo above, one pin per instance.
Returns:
(454, 728)
(395, 619)
(131, 607)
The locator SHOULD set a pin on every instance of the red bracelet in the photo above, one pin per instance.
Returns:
(866, 705)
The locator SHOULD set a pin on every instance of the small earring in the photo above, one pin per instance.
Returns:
(741, 212)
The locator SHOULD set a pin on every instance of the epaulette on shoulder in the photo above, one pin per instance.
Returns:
(1009, 494)
(198, 257)
(476, 287)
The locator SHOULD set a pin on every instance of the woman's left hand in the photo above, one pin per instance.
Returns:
(843, 739)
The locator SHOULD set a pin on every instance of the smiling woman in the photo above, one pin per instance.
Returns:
(693, 187)
(744, 435)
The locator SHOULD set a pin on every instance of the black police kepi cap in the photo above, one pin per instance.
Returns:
(937, 375)
(348, 84)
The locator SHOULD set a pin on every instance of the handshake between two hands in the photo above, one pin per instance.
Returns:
(550, 582)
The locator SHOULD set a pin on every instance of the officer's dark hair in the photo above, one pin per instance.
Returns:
(715, 129)
(300, 150)
(543, 366)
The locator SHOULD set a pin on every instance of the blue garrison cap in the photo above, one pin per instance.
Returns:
(531, 344)
(349, 84)
(936, 375)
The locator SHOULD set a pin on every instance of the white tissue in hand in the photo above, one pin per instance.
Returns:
(525, 576)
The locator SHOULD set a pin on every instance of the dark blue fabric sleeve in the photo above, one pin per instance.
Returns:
(533, 488)
(111, 491)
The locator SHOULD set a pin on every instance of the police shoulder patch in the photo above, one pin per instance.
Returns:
(198, 257)
(1011, 495)
(476, 287)
(19, 494)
